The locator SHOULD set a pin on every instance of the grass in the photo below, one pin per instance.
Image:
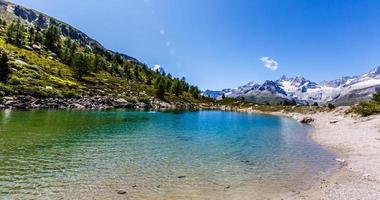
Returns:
(366, 108)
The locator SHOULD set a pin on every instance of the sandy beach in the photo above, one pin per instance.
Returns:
(356, 141)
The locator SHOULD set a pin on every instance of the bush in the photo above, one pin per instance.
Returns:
(314, 104)
(331, 106)
(144, 99)
(366, 108)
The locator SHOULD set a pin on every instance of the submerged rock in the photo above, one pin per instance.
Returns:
(181, 176)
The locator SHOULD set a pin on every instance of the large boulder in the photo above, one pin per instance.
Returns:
(306, 120)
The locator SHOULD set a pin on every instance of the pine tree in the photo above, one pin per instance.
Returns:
(15, 34)
(4, 67)
(31, 36)
(52, 39)
(194, 91)
(136, 73)
(160, 91)
(176, 88)
(97, 64)
(81, 65)
(19, 40)
(11, 33)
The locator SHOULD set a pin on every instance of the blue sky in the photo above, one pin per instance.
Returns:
(218, 44)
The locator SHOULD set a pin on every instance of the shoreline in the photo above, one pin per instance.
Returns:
(26, 102)
(356, 142)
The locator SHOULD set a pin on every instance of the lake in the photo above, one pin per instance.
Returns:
(125, 154)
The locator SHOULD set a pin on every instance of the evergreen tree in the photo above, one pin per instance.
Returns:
(4, 67)
(160, 91)
(81, 65)
(52, 39)
(20, 36)
(176, 88)
(98, 63)
(168, 84)
(38, 37)
(31, 36)
(15, 34)
(194, 91)
(11, 33)
(136, 73)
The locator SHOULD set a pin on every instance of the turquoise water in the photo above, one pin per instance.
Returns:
(154, 155)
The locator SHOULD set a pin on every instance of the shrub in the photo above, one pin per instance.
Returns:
(331, 106)
(368, 108)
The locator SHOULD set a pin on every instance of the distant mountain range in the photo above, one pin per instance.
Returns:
(299, 90)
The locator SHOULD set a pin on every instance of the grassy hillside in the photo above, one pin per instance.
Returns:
(46, 62)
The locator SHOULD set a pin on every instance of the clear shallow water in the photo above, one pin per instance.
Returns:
(73, 154)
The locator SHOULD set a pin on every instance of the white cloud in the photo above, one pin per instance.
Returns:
(168, 44)
(162, 31)
(269, 63)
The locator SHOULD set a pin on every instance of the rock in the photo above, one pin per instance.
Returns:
(334, 121)
(341, 161)
(28, 48)
(121, 192)
(36, 47)
(306, 120)
(134, 186)
(121, 100)
(181, 177)
(77, 106)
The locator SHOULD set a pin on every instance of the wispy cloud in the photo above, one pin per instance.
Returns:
(167, 43)
(162, 31)
(269, 63)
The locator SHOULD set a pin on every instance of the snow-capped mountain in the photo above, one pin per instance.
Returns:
(158, 69)
(342, 91)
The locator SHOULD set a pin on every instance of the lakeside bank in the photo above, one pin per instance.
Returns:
(356, 141)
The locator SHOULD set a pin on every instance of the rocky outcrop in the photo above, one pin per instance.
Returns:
(87, 102)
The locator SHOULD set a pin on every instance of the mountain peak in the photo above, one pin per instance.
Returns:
(158, 69)
(376, 70)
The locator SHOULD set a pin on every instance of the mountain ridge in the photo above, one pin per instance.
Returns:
(345, 90)
(43, 20)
